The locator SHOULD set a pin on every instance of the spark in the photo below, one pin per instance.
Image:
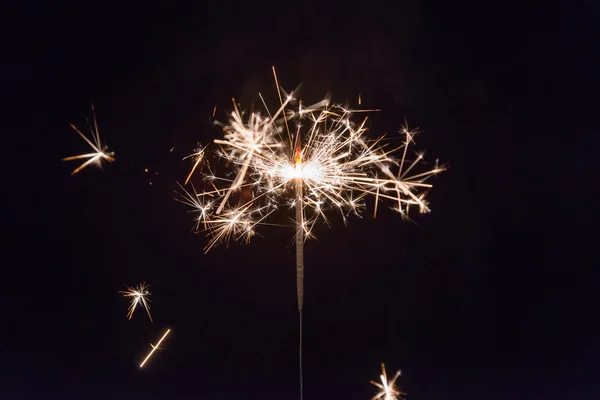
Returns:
(388, 391)
(138, 295)
(154, 348)
(197, 155)
(99, 153)
(338, 166)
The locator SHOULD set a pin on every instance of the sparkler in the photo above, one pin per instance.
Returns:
(138, 295)
(313, 158)
(154, 348)
(388, 391)
(99, 150)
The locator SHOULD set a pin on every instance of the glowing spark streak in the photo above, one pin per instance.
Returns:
(406, 143)
(376, 202)
(281, 102)
(80, 156)
(155, 347)
(411, 166)
(199, 155)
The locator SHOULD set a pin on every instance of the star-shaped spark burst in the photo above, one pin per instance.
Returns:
(100, 151)
(138, 295)
(388, 391)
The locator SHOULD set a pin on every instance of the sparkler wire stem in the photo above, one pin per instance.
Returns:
(300, 266)
(300, 358)
(299, 245)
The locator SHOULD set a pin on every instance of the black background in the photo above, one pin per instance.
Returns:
(495, 298)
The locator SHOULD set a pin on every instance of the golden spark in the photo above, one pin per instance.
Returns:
(99, 153)
(154, 348)
(197, 155)
(138, 295)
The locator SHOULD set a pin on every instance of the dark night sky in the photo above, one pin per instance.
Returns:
(495, 298)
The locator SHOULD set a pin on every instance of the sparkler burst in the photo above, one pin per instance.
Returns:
(388, 390)
(138, 295)
(324, 151)
(100, 152)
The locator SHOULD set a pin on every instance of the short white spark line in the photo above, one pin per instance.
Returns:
(154, 348)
